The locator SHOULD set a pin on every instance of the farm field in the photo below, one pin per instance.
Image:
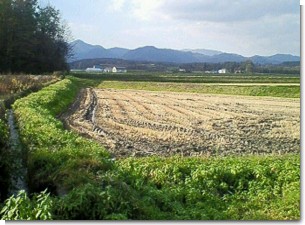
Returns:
(144, 123)
(136, 153)
(288, 90)
(191, 78)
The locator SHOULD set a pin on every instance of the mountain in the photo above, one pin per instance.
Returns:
(279, 58)
(275, 59)
(207, 52)
(227, 57)
(118, 52)
(83, 50)
(153, 54)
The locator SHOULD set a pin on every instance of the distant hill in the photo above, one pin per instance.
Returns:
(83, 50)
(118, 52)
(153, 54)
(207, 52)
(275, 59)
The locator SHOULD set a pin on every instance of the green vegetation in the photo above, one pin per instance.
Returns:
(86, 184)
(56, 158)
(218, 188)
(191, 189)
(4, 161)
(192, 78)
(32, 38)
(255, 90)
(251, 85)
(22, 207)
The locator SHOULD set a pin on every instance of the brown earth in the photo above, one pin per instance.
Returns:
(143, 123)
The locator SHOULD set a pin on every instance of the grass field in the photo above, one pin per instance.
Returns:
(192, 78)
(274, 89)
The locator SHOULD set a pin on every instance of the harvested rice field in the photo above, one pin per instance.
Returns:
(145, 123)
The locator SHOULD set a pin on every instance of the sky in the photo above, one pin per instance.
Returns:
(246, 27)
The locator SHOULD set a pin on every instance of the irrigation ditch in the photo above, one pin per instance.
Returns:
(13, 174)
(18, 158)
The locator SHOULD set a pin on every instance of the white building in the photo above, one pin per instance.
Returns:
(222, 71)
(114, 70)
(94, 69)
(119, 70)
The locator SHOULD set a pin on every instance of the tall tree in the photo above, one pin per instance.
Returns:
(32, 39)
(5, 26)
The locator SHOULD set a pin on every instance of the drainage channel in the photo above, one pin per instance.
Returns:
(18, 165)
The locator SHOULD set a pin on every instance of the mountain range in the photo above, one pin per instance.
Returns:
(82, 50)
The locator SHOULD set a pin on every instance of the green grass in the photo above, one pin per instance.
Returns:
(56, 157)
(256, 90)
(192, 78)
(176, 188)
(241, 188)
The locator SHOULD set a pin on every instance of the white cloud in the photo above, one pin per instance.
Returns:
(245, 27)
(116, 5)
(146, 9)
(211, 10)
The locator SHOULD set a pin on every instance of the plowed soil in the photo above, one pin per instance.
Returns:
(143, 123)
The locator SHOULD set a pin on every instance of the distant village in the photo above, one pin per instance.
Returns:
(119, 69)
(113, 69)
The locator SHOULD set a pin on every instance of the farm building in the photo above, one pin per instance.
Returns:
(222, 71)
(94, 69)
(115, 69)
(119, 70)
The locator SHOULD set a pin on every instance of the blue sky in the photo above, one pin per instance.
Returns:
(247, 27)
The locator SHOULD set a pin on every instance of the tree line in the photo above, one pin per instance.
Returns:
(33, 39)
(247, 67)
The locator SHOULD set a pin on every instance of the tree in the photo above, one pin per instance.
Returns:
(248, 66)
(5, 24)
(32, 39)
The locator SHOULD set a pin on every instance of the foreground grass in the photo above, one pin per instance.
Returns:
(238, 188)
(287, 91)
(86, 184)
